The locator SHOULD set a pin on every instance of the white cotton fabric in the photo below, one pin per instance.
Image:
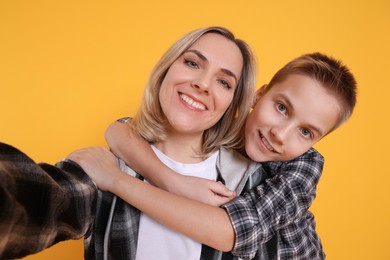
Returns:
(156, 241)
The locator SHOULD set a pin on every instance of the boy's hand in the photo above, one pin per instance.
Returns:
(123, 141)
(203, 190)
(100, 164)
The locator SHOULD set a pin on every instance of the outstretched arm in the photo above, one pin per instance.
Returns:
(123, 142)
(41, 204)
(210, 225)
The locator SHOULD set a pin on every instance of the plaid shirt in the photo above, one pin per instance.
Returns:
(278, 209)
(118, 222)
(42, 205)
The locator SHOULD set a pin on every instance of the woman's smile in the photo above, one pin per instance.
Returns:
(192, 103)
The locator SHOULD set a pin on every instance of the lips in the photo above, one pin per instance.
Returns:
(267, 144)
(192, 103)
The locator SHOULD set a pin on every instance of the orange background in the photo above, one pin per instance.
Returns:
(69, 68)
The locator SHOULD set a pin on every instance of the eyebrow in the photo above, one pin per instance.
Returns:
(202, 57)
(289, 104)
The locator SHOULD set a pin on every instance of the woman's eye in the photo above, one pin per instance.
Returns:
(306, 133)
(282, 108)
(225, 84)
(191, 63)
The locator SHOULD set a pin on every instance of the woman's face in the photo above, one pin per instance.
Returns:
(199, 86)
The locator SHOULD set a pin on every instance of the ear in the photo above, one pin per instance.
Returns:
(258, 94)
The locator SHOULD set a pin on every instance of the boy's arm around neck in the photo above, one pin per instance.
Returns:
(136, 152)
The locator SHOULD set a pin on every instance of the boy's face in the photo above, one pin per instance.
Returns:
(289, 118)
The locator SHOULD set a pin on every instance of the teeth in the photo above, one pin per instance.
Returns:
(192, 102)
(267, 144)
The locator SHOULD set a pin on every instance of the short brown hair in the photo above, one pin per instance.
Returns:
(331, 73)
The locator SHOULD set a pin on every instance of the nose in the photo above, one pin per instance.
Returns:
(202, 84)
(279, 134)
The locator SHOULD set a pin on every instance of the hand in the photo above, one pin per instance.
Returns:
(203, 190)
(100, 164)
(123, 140)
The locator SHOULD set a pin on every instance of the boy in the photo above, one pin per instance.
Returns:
(306, 100)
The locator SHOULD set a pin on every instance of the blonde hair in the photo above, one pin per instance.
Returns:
(150, 121)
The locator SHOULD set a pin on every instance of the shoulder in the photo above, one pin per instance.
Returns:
(226, 154)
(309, 164)
(230, 161)
(312, 155)
(305, 169)
(234, 168)
(311, 158)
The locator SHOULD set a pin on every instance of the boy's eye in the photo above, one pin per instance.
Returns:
(306, 133)
(191, 63)
(282, 108)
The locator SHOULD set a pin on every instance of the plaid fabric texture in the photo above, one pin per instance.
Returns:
(124, 226)
(40, 204)
(279, 208)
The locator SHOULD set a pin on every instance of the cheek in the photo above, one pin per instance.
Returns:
(166, 98)
(265, 111)
(261, 117)
(162, 96)
(297, 148)
(222, 102)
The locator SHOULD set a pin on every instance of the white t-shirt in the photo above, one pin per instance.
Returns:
(156, 241)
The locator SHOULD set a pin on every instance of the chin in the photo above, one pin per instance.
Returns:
(254, 156)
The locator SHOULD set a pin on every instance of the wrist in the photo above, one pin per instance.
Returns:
(167, 180)
(114, 183)
(172, 182)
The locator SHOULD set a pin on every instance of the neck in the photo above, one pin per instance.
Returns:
(181, 148)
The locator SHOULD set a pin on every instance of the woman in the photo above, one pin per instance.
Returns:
(189, 111)
(200, 86)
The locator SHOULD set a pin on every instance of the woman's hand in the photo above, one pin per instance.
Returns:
(100, 164)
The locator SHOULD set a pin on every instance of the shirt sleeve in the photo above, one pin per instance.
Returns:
(41, 204)
(275, 203)
(124, 120)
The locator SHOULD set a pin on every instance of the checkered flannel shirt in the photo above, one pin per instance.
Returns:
(279, 208)
(43, 204)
